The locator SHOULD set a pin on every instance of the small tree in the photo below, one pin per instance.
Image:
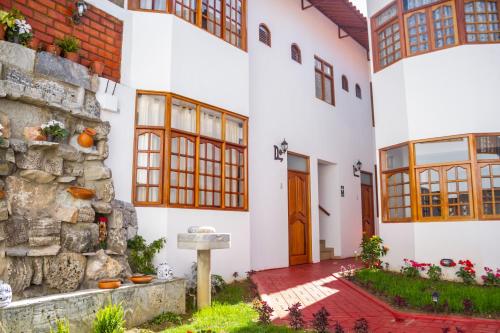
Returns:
(297, 321)
(372, 250)
(320, 322)
(141, 255)
(264, 311)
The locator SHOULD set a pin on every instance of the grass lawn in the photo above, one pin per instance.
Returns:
(417, 293)
(231, 312)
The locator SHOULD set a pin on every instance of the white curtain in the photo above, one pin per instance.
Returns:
(183, 116)
(234, 131)
(210, 124)
(151, 110)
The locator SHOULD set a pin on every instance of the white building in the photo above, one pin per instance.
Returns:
(436, 73)
(207, 91)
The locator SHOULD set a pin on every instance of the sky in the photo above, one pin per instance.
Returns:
(361, 5)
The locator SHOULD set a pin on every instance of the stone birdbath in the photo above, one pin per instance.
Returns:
(203, 240)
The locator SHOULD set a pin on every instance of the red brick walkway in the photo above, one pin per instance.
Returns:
(315, 286)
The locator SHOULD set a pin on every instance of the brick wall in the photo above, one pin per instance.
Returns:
(100, 34)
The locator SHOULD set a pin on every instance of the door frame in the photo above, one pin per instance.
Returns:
(373, 200)
(309, 228)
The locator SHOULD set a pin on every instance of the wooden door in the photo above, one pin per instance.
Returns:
(298, 218)
(367, 205)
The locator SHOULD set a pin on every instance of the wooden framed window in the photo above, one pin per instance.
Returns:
(449, 179)
(296, 54)
(431, 25)
(482, 22)
(324, 81)
(264, 34)
(211, 16)
(345, 83)
(188, 154)
(225, 19)
(358, 91)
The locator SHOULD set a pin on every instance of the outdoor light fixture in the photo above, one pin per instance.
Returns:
(80, 9)
(279, 151)
(356, 168)
(435, 297)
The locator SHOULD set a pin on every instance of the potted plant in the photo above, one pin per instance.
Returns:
(54, 131)
(17, 30)
(70, 46)
(53, 49)
(34, 44)
(97, 67)
(3, 23)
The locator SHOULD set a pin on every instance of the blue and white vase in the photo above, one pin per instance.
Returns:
(164, 272)
(5, 294)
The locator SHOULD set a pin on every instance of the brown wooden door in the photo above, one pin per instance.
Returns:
(367, 210)
(298, 218)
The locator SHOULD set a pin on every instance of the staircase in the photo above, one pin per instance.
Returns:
(326, 253)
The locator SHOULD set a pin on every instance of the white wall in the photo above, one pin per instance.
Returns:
(283, 105)
(452, 91)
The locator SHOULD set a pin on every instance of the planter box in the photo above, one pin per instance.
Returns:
(140, 302)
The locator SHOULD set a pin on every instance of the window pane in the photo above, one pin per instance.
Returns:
(234, 130)
(319, 85)
(183, 115)
(366, 179)
(211, 123)
(453, 150)
(387, 15)
(150, 110)
(396, 158)
(297, 163)
(488, 147)
(328, 91)
(412, 4)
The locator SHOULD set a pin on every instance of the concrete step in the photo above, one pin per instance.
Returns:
(326, 253)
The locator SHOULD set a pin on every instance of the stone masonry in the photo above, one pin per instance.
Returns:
(49, 240)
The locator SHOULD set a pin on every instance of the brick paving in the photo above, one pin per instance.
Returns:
(315, 286)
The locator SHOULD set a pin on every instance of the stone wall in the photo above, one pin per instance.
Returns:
(100, 33)
(140, 302)
(49, 239)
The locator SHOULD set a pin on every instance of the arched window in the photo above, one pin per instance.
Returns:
(345, 83)
(358, 91)
(264, 34)
(296, 54)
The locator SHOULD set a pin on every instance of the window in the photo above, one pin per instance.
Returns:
(434, 180)
(264, 35)
(345, 83)
(482, 23)
(225, 19)
(296, 54)
(203, 150)
(324, 81)
(432, 25)
(358, 91)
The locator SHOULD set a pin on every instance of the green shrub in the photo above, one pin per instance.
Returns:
(62, 326)
(372, 250)
(167, 317)
(434, 273)
(109, 320)
(141, 255)
(68, 44)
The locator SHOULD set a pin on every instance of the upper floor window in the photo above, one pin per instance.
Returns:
(439, 181)
(431, 25)
(324, 81)
(264, 34)
(358, 91)
(196, 159)
(345, 83)
(296, 54)
(225, 19)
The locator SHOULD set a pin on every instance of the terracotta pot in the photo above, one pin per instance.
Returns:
(86, 138)
(109, 284)
(97, 67)
(34, 44)
(2, 32)
(81, 192)
(141, 279)
(54, 49)
(2, 195)
(73, 56)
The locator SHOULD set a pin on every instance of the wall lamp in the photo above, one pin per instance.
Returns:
(279, 151)
(80, 9)
(356, 168)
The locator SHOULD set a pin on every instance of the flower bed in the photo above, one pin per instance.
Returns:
(417, 293)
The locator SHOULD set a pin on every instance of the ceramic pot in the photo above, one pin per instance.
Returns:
(141, 279)
(5, 294)
(34, 44)
(164, 272)
(73, 56)
(2, 32)
(97, 67)
(2, 195)
(54, 49)
(86, 138)
(109, 284)
(81, 192)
